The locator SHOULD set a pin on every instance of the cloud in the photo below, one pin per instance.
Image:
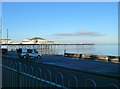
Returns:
(80, 33)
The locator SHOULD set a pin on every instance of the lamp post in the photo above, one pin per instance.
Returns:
(7, 39)
(1, 30)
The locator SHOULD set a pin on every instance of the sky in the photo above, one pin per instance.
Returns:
(85, 22)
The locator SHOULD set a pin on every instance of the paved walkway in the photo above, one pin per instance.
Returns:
(105, 68)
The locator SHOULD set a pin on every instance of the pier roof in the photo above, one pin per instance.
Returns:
(35, 38)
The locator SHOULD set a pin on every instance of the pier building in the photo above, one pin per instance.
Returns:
(6, 41)
(36, 40)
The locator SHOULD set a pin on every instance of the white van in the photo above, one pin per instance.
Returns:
(24, 52)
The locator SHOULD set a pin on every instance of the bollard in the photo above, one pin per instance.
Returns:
(65, 54)
(109, 58)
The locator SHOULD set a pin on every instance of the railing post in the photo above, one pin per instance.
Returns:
(18, 76)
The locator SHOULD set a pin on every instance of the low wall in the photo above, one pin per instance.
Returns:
(93, 57)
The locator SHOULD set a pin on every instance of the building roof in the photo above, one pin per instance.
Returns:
(36, 38)
(5, 39)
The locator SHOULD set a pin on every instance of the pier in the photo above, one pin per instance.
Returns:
(58, 72)
(45, 48)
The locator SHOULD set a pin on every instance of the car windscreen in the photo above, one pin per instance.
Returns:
(35, 51)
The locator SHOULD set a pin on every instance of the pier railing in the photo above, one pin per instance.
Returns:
(47, 48)
(17, 73)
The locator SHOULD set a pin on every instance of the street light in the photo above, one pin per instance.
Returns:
(7, 39)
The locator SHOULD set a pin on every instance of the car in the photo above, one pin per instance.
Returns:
(24, 53)
(4, 49)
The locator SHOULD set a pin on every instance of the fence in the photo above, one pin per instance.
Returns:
(17, 73)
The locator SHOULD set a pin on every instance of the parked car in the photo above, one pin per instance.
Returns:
(24, 52)
(4, 49)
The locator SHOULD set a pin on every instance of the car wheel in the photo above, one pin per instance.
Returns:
(38, 56)
(20, 57)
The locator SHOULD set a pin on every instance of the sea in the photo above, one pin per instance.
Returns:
(97, 49)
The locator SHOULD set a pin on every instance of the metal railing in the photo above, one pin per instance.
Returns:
(20, 74)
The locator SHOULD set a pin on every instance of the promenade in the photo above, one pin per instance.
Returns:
(84, 65)
(98, 69)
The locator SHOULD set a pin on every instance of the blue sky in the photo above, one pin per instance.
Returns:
(86, 22)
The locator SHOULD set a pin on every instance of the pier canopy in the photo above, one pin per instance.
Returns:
(36, 40)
